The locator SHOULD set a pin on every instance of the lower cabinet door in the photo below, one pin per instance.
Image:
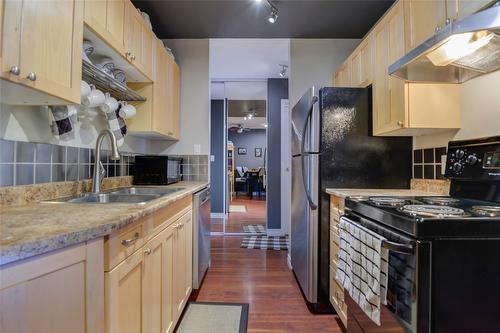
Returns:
(124, 295)
(158, 276)
(182, 263)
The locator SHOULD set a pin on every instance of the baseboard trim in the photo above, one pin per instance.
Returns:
(275, 232)
(218, 215)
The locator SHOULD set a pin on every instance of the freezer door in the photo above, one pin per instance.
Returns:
(303, 241)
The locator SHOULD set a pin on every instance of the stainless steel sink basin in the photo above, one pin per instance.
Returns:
(110, 198)
(148, 190)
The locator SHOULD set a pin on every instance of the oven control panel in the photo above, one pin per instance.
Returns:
(474, 160)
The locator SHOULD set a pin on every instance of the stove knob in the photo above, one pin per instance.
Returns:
(471, 160)
(459, 153)
(457, 167)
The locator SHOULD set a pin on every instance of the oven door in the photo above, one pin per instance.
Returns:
(408, 288)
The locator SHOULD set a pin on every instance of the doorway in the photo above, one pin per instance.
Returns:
(247, 172)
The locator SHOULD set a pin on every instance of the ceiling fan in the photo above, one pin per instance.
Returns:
(239, 129)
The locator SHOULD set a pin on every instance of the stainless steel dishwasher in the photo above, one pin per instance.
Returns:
(201, 235)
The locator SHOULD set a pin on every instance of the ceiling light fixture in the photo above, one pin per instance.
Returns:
(283, 70)
(273, 15)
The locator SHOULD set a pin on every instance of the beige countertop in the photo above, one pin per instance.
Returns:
(350, 192)
(37, 228)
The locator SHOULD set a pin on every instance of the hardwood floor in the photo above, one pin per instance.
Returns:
(262, 279)
(255, 214)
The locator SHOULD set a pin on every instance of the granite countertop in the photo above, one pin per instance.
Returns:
(37, 228)
(349, 192)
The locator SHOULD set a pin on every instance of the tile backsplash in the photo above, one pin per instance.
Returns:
(427, 163)
(25, 163)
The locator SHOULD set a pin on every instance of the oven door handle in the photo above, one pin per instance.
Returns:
(406, 249)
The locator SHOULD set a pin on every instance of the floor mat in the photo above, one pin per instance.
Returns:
(237, 208)
(209, 317)
(265, 242)
(257, 229)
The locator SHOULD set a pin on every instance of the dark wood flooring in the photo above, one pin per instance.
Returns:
(262, 279)
(255, 214)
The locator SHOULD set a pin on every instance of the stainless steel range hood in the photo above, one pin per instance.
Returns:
(459, 52)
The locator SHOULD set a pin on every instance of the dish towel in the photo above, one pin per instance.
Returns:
(61, 119)
(117, 125)
(363, 267)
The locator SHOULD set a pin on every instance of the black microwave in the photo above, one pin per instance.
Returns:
(157, 170)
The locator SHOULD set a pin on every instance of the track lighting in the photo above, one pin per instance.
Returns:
(283, 70)
(273, 16)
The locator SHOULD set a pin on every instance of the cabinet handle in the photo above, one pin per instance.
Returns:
(400, 123)
(147, 251)
(31, 76)
(127, 242)
(14, 70)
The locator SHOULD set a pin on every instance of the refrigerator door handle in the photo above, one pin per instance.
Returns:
(303, 154)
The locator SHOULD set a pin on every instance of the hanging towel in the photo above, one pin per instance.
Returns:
(363, 267)
(61, 119)
(117, 125)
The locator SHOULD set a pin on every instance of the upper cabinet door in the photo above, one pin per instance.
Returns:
(176, 100)
(423, 18)
(458, 9)
(42, 46)
(107, 19)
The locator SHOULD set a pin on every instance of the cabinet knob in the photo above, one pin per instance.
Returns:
(128, 54)
(448, 21)
(147, 251)
(14, 70)
(400, 123)
(132, 57)
(437, 28)
(31, 76)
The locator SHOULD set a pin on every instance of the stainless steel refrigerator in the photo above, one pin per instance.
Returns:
(333, 147)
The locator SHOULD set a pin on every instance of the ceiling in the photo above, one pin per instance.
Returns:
(241, 108)
(248, 18)
(248, 58)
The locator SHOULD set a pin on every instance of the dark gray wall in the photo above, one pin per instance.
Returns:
(217, 144)
(255, 138)
(277, 89)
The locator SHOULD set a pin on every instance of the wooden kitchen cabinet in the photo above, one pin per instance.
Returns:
(160, 114)
(458, 9)
(183, 263)
(107, 19)
(57, 292)
(342, 77)
(41, 49)
(147, 291)
(423, 17)
(336, 290)
(361, 64)
(138, 40)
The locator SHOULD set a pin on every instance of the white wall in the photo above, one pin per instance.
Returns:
(31, 124)
(480, 107)
(192, 56)
(313, 62)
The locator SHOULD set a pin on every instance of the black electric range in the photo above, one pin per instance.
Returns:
(424, 217)
(444, 252)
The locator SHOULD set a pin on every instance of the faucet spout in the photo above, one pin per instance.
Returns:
(99, 171)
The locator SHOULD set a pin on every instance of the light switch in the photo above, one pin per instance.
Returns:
(443, 164)
(197, 149)
(212, 158)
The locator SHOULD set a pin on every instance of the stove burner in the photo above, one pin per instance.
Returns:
(387, 201)
(489, 211)
(433, 210)
(443, 201)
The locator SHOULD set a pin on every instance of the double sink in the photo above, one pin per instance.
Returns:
(136, 195)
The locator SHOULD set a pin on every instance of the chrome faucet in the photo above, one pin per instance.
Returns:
(99, 171)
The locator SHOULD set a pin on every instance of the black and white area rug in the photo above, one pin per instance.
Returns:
(257, 229)
(265, 242)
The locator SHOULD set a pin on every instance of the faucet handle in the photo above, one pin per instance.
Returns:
(102, 171)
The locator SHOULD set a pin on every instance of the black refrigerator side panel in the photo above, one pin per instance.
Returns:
(352, 158)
